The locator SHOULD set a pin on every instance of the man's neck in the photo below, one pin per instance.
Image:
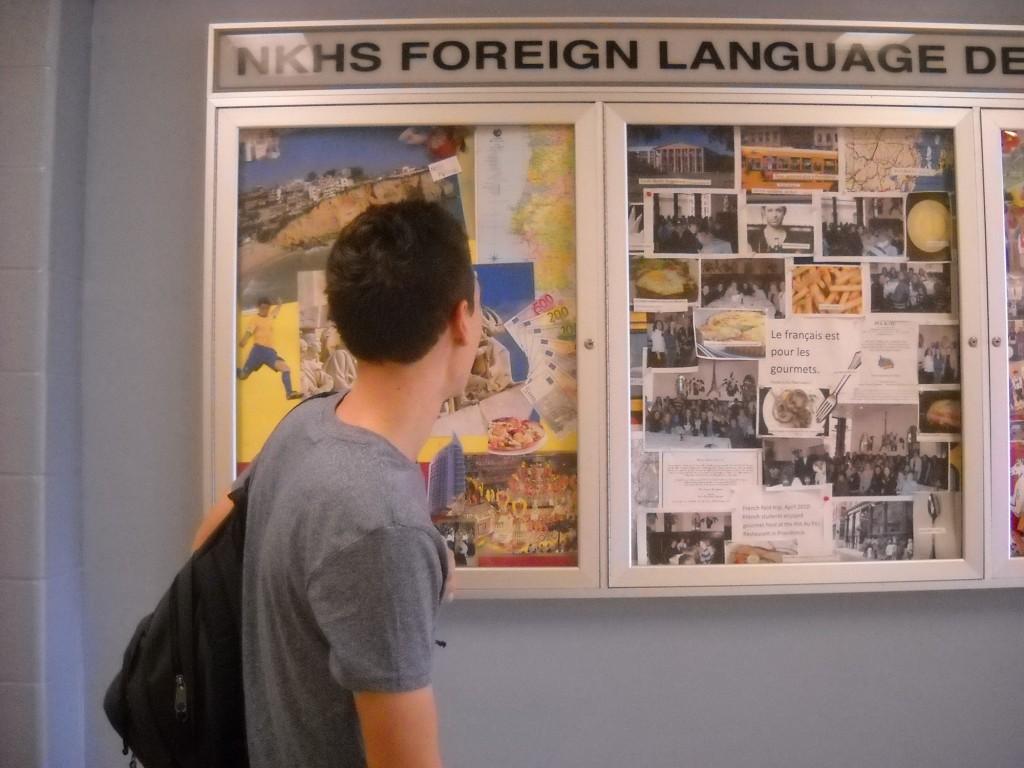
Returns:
(398, 402)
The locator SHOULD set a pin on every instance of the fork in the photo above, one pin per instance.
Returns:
(829, 403)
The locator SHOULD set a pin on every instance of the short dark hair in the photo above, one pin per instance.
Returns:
(394, 276)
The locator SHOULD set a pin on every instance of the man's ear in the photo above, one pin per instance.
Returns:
(460, 322)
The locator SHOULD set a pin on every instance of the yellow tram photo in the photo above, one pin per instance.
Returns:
(790, 168)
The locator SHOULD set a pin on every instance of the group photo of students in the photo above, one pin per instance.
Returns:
(670, 340)
(911, 288)
(938, 354)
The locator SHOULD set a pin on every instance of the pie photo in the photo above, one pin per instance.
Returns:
(511, 435)
(663, 279)
(662, 282)
(734, 326)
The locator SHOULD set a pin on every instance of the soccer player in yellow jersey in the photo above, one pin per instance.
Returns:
(261, 331)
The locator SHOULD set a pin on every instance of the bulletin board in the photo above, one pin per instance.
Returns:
(503, 463)
(738, 338)
(796, 392)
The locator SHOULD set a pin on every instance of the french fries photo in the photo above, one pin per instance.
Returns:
(828, 290)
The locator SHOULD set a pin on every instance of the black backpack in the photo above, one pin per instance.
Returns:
(178, 700)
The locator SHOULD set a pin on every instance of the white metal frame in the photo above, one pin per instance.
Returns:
(585, 118)
(586, 21)
(1000, 565)
(591, 580)
(622, 573)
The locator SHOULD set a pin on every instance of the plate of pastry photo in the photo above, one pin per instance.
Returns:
(725, 333)
(790, 409)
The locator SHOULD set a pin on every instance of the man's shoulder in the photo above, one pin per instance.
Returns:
(341, 479)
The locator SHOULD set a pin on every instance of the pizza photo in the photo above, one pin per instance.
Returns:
(510, 435)
(940, 412)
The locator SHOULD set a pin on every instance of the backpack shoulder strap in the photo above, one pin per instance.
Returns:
(238, 494)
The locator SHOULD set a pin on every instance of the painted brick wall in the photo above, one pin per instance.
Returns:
(44, 82)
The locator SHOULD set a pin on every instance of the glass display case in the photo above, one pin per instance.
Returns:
(1002, 134)
(787, 299)
(509, 464)
(738, 339)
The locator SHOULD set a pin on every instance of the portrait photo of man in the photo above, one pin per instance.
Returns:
(778, 224)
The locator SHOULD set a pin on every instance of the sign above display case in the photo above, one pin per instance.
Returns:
(614, 52)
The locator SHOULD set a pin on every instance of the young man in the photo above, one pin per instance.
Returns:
(261, 330)
(771, 236)
(775, 236)
(343, 571)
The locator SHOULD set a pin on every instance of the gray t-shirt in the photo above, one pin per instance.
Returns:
(343, 577)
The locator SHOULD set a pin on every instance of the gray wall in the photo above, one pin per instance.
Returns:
(44, 86)
(917, 679)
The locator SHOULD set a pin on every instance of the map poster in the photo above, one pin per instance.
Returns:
(898, 159)
(525, 201)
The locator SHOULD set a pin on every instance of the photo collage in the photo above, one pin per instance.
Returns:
(500, 465)
(794, 344)
(1013, 202)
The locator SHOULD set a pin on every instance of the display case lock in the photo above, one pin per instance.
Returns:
(973, 341)
(996, 341)
(589, 343)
